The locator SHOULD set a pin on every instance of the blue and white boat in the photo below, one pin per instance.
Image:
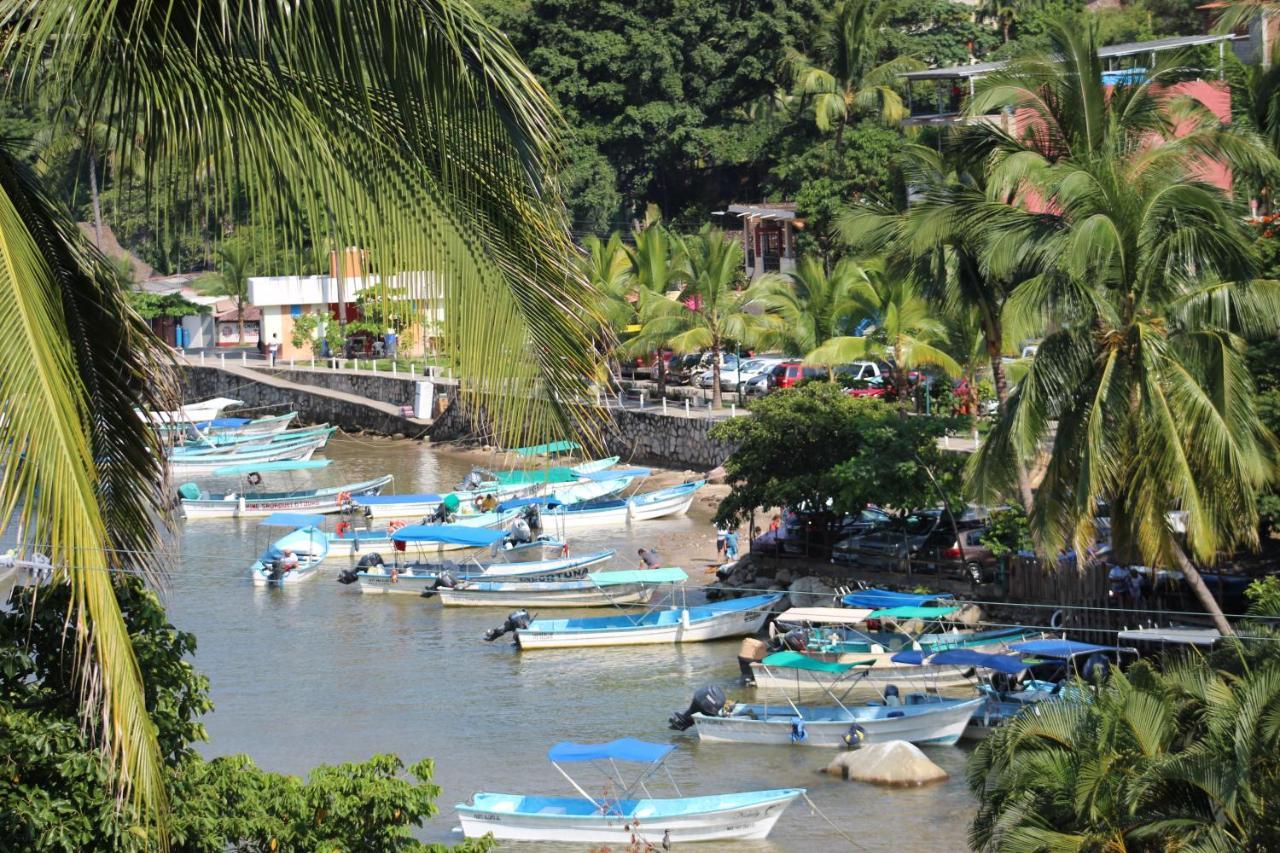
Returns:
(663, 503)
(882, 599)
(924, 719)
(597, 589)
(253, 502)
(713, 621)
(617, 816)
(294, 557)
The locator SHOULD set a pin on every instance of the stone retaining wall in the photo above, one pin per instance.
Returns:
(385, 389)
(263, 397)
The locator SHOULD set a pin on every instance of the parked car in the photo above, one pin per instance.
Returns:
(682, 368)
(706, 379)
(746, 370)
(902, 542)
(795, 540)
(966, 557)
(859, 371)
(874, 387)
(790, 373)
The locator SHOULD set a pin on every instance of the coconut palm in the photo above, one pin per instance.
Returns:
(814, 306)
(432, 156)
(844, 75)
(606, 267)
(232, 278)
(712, 308)
(906, 331)
(937, 240)
(656, 270)
(1141, 396)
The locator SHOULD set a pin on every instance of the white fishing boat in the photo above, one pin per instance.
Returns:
(200, 503)
(712, 621)
(922, 719)
(197, 465)
(617, 816)
(597, 589)
(294, 557)
(663, 503)
(222, 428)
(482, 490)
(245, 443)
(192, 412)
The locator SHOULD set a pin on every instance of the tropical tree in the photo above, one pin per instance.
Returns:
(607, 269)
(906, 331)
(232, 278)
(814, 306)
(844, 75)
(656, 269)
(1003, 12)
(937, 240)
(712, 308)
(1179, 760)
(1141, 395)
(432, 157)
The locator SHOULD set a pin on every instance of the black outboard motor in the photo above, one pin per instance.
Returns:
(519, 532)
(445, 580)
(794, 640)
(441, 515)
(709, 700)
(275, 571)
(517, 620)
(368, 561)
(533, 517)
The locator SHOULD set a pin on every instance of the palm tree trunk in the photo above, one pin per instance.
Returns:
(94, 198)
(662, 376)
(1002, 398)
(240, 321)
(716, 399)
(1198, 586)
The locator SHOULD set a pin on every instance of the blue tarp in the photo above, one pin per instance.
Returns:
(877, 599)
(516, 503)
(1059, 648)
(616, 473)
(373, 500)
(292, 519)
(1011, 664)
(623, 749)
(452, 534)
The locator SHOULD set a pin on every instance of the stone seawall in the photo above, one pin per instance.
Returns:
(647, 437)
(397, 391)
(264, 392)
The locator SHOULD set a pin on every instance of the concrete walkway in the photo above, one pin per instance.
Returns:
(262, 387)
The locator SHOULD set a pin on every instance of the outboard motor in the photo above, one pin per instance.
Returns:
(533, 517)
(1096, 668)
(854, 737)
(368, 561)
(440, 515)
(275, 571)
(445, 580)
(517, 620)
(473, 480)
(519, 532)
(709, 701)
(794, 640)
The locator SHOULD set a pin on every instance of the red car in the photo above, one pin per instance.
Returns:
(790, 373)
(868, 388)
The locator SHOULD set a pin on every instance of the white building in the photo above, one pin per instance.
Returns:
(768, 236)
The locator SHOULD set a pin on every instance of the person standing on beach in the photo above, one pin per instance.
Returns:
(721, 533)
(274, 349)
(731, 545)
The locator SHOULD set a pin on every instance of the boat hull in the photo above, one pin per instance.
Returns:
(388, 582)
(938, 726)
(209, 464)
(321, 501)
(659, 505)
(470, 595)
(752, 820)
(684, 629)
(307, 543)
(916, 678)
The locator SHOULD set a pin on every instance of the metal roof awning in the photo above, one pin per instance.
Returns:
(1137, 48)
(824, 615)
(763, 211)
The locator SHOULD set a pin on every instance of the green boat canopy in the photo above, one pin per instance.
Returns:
(907, 612)
(639, 576)
(795, 660)
(529, 478)
(552, 447)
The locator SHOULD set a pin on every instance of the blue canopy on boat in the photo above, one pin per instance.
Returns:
(422, 498)
(516, 503)
(222, 423)
(261, 467)
(452, 534)
(1062, 649)
(1012, 664)
(623, 749)
(292, 519)
(877, 599)
(616, 474)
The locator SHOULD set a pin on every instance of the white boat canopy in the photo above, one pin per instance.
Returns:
(825, 615)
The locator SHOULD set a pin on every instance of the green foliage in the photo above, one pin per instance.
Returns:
(153, 305)
(1264, 596)
(310, 329)
(814, 443)
(1184, 759)
(938, 33)
(1007, 531)
(56, 786)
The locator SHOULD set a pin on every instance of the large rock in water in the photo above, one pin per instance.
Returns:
(894, 763)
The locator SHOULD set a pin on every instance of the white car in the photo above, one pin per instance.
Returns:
(752, 369)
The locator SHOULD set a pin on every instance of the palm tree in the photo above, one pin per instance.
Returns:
(844, 76)
(1141, 395)
(814, 306)
(906, 331)
(656, 268)
(606, 266)
(711, 309)
(1003, 12)
(939, 242)
(232, 278)
(433, 156)
(1174, 760)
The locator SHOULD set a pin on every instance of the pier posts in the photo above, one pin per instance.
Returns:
(664, 405)
(686, 406)
(244, 357)
(222, 359)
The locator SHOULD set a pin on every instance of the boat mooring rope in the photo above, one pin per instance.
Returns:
(831, 823)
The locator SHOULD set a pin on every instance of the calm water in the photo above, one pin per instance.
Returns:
(320, 674)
